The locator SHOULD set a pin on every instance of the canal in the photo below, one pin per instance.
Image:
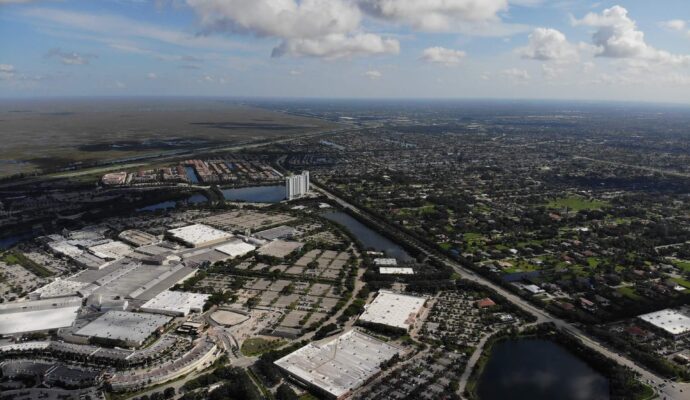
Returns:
(538, 369)
(367, 236)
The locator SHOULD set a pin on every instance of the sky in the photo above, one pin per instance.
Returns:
(635, 50)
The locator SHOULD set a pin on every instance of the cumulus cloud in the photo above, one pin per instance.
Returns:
(434, 15)
(617, 36)
(318, 28)
(547, 44)
(373, 74)
(337, 46)
(70, 57)
(443, 56)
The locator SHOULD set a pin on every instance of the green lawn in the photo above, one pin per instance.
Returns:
(576, 203)
(14, 258)
(684, 265)
(257, 346)
(630, 293)
(682, 282)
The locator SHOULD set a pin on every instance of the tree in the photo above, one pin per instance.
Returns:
(285, 392)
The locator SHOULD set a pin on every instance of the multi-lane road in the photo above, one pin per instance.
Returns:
(664, 389)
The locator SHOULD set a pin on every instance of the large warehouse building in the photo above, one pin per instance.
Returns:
(338, 365)
(176, 304)
(128, 327)
(393, 309)
(39, 315)
(674, 323)
(199, 235)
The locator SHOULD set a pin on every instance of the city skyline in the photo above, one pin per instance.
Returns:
(610, 50)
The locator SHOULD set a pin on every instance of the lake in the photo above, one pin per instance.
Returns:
(537, 369)
(256, 194)
(9, 241)
(165, 205)
(367, 236)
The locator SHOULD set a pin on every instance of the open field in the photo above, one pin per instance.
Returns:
(43, 134)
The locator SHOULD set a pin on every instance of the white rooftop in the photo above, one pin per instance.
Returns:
(672, 321)
(396, 271)
(123, 325)
(59, 288)
(199, 234)
(236, 248)
(39, 315)
(385, 261)
(393, 309)
(172, 302)
(340, 364)
(113, 250)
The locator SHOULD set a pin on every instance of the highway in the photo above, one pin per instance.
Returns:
(665, 390)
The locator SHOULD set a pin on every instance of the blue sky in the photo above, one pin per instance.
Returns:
(604, 50)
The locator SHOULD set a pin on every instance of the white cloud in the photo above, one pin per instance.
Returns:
(70, 57)
(515, 74)
(675, 25)
(547, 44)
(152, 75)
(317, 28)
(337, 46)
(373, 74)
(443, 56)
(434, 15)
(617, 36)
(7, 71)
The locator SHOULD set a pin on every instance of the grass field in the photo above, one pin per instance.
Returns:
(575, 203)
(684, 265)
(14, 258)
(41, 134)
(630, 293)
(258, 346)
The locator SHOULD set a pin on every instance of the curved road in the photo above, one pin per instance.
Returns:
(665, 390)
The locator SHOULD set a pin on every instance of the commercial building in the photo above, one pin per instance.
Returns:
(199, 235)
(297, 186)
(176, 304)
(129, 328)
(388, 262)
(137, 238)
(236, 248)
(39, 315)
(57, 288)
(396, 271)
(393, 309)
(674, 323)
(336, 366)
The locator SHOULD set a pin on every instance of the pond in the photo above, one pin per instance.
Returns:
(256, 194)
(537, 369)
(367, 236)
(165, 205)
(9, 241)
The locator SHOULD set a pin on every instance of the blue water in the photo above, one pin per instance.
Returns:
(367, 236)
(170, 204)
(537, 369)
(256, 194)
(191, 174)
(6, 243)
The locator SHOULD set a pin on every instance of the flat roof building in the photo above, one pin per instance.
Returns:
(675, 323)
(128, 327)
(393, 309)
(199, 235)
(236, 248)
(176, 304)
(336, 366)
(396, 271)
(38, 315)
